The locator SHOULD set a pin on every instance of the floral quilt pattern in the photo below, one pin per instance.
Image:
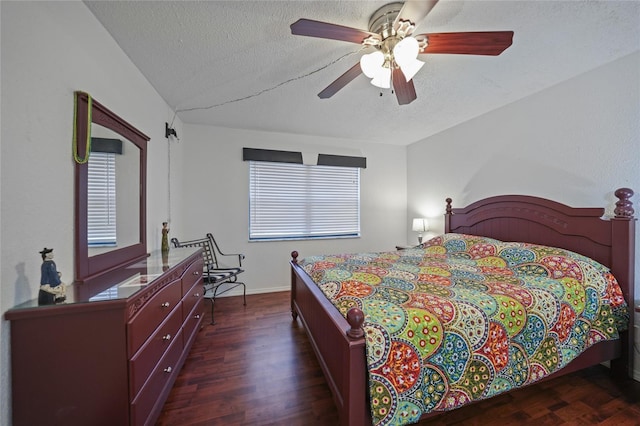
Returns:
(462, 318)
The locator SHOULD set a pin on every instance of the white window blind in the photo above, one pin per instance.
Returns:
(101, 200)
(298, 201)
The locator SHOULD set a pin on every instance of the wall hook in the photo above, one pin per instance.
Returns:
(169, 131)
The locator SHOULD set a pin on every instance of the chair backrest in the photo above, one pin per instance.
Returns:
(208, 253)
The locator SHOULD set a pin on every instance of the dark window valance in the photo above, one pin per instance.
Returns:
(342, 160)
(106, 145)
(275, 156)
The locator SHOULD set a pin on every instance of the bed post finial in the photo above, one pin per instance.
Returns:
(294, 256)
(624, 206)
(355, 318)
(448, 200)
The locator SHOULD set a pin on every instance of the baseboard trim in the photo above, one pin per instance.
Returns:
(238, 291)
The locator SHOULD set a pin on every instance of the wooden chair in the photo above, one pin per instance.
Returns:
(215, 274)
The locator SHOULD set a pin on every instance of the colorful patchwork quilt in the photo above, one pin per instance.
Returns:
(462, 318)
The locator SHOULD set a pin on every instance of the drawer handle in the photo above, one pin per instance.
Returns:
(166, 304)
(167, 337)
(197, 316)
(196, 295)
(168, 370)
(196, 273)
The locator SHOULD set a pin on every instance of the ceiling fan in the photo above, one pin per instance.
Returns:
(394, 61)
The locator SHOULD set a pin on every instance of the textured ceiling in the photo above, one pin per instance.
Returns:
(236, 64)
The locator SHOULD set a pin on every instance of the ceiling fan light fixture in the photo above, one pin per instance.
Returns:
(371, 63)
(411, 69)
(405, 54)
(383, 78)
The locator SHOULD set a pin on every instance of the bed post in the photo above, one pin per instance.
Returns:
(623, 268)
(447, 216)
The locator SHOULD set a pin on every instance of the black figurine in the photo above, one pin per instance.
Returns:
(52, 289)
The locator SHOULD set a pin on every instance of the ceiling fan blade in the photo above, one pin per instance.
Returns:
(341, 81)
(311, 28)
(490, 43)
(414, 11)
(405, 91)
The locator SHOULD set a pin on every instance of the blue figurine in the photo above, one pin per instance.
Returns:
(52, 289)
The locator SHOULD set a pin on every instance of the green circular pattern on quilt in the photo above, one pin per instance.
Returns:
(468, 284)
(475, 379)
(401, 275)
(518, 368)
(498, 385)
(406, 267)
(432, 388)
(407, 412)
(390, 294)
(385, 313)
(511, 314)
(423, 330)
(533, 270)
(532, 334)
(574, 294)
(545, 305)
(593, 277)
(346, 303)
(366, 277)
(434, 270)
(336, 275)
(484, 301)
(382, 400)
(471, 323)
(397, 283)
(377, 338)
(434, 289)
(516, 256)
(547, 354)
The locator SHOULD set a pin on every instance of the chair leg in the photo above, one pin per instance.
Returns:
(212, 320)
(244, 294)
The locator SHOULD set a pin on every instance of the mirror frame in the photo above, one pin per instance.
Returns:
(91, 268)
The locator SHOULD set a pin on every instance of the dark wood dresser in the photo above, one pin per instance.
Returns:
(110, 358)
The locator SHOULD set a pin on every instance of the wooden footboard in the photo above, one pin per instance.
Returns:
(339, 346)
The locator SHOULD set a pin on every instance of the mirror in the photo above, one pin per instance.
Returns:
(129, 169)
(113, 192)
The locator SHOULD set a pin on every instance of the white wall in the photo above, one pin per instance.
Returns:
(216, 198)
(575, 143)
(49, 50)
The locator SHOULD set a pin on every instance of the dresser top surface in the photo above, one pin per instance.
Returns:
(126, 282)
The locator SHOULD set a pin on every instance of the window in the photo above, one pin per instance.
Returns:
(101, 202)
(290, 201)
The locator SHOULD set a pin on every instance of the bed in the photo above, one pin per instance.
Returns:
(337, 334)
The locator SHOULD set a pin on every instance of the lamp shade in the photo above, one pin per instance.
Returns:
(420, 225)
(382, 78)
(405, 54)
(371, 63)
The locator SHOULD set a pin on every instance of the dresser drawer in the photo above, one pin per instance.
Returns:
(145, 360)
(193, 296)
(160, 378)
(192, 275)
(192, 322)
(156, 310)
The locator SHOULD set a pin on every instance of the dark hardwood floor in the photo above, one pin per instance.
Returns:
(255, 366)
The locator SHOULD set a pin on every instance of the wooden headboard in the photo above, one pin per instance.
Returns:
(610, 241)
